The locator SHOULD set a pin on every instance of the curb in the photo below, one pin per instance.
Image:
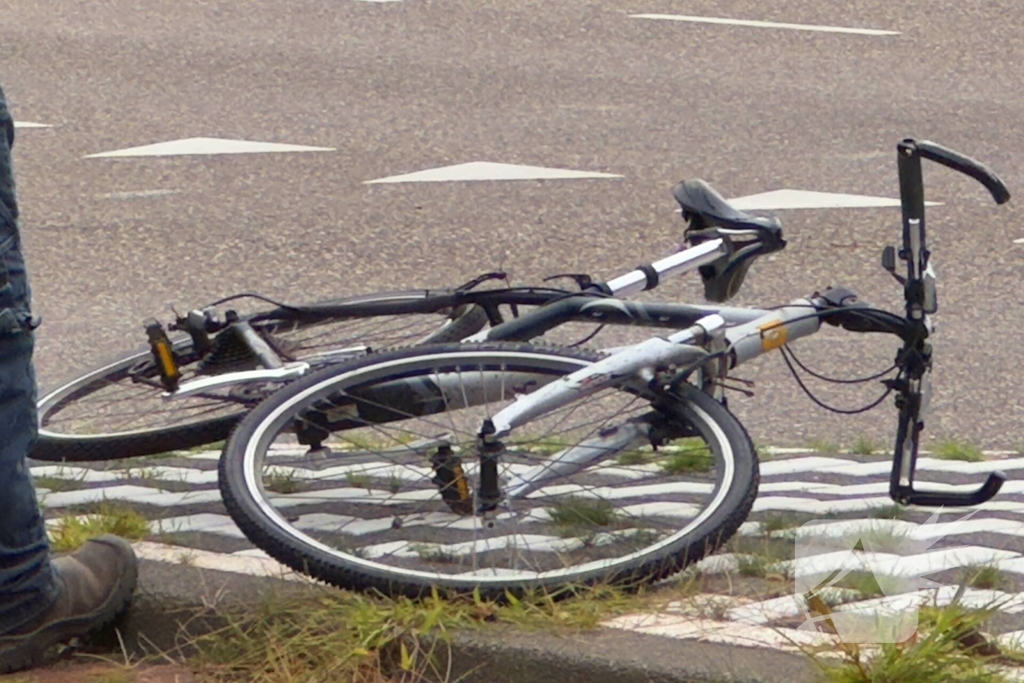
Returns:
(171, 595)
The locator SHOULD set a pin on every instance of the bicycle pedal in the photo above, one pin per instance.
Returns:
(451, 480)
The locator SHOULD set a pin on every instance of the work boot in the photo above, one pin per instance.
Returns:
(95, 584)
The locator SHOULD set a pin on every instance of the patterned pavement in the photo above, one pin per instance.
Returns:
(842, 493)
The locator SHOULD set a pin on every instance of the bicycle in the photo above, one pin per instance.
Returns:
(202, 382)
(408, 494)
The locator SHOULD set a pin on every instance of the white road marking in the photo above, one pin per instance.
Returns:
(485, 170)
(206, 146)
(1019, 241)
(766, 24)
(30, 124)
(805, 199)
(136, 195)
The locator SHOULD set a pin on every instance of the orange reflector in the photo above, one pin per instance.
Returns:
(773, 335)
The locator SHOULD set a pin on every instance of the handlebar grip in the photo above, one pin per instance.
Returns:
(963, 164)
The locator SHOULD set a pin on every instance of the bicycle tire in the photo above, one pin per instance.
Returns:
(269, 531)
(53, 446)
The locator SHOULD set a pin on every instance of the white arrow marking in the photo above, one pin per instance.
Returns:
(485, 170)
(766, 24)
(206, 146)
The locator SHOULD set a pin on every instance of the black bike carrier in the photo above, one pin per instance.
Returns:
(914, 359)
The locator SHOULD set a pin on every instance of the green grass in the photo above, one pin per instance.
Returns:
(395, 483)
(938, 652)
(985, 577)
(634, 458)
(863, 446)
(889, 512)
(882, 540)
(823, 446)
(340, 636)
(759, 556)
(433, 554)
(282, 482)
(582, 513)
(58, 484)
(688, 462)
(358, 480)
(957, 450)
(865, 583)
(71, 533)
(774, 522)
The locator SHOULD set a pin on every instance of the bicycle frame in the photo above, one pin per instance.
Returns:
(602, 304)
(642, 367)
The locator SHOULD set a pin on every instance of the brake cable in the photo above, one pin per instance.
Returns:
(841, 411)
(785, 350)
(835, 380)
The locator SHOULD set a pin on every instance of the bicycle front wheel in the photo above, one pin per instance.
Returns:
(118, 411)
(389, 504)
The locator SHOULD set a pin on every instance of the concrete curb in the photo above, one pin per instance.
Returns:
(171, 595)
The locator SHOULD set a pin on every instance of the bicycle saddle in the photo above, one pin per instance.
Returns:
(707, 211)
(700, 200)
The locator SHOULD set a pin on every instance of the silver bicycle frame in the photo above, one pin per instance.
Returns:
(635, 281)
(635, 365)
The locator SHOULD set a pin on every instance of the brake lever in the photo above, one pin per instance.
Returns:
(496, 275)
(962, 164)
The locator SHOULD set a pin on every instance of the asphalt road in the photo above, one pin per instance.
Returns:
(399, 87)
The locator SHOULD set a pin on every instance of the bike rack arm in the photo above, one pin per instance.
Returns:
(910, 153)
(963, 164)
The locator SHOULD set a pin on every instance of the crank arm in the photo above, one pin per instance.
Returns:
(287, 372)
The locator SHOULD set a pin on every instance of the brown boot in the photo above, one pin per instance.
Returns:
(95, 585)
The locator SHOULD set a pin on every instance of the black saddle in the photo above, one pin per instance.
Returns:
(701, 201)
(710, 216)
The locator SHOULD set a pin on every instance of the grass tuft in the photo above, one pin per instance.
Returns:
(636, 457)
(58, 484)
(282, 482)
(823, 446)
(574, 513)
(957, 450)
(71, 532)
(689, 461)
(863, 446)
(947, 647)
(985, 577)
(341, 636)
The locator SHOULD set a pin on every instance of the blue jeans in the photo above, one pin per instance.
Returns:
(27, 584)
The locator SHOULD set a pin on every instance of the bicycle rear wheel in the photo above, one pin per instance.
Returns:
(117, 410)
(390, 507)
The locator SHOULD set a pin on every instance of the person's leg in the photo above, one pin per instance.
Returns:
(27, 584)
(42, 602)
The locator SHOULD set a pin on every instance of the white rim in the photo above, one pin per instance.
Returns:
(253, 486)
